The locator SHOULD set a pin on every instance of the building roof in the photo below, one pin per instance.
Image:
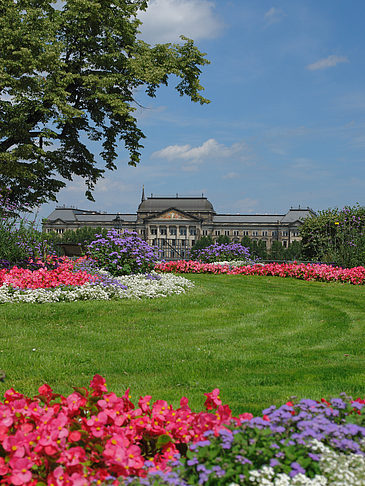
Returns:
(247, 218)
(297, 215)
(84, 216)
(291, 216)
(105, 218)
(184, 204)
(187, 204)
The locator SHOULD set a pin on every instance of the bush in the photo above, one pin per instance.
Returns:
(20, 243)
(336, 236)
(222, 252)
(122, 254)
(203, 242)
(81, 236)
(223, 239)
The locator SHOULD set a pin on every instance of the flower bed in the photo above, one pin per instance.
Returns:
(93, 436)
(82, 280)
(319, 272)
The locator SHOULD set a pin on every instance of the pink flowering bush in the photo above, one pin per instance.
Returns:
(319, 272)
(93, 434)
(64, 274)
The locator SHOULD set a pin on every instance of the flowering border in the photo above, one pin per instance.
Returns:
(309, 272)
(93, 436)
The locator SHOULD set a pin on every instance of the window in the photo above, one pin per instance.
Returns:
(163, 230)
(295, 233)
(173, 230)
(284, 233)
(205, 232)
(226, 232)
(182, 230)
(236, 232)
(255, 233)
(192, 230)
(264, 233)
(217, 232)
(60, 231)
(154, 231)
(245, 233)
(284, 243)
(274, 233)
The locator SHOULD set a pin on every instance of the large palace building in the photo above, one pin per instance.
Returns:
(175, 223)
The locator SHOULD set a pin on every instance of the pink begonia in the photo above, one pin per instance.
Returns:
(43, 278)
(319, 272)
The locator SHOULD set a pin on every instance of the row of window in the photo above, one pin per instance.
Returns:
(160, 242)
(253, 233)
(183, 231)
(173, 230)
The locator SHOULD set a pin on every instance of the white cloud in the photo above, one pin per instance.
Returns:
(327, 62)
(166, 20)
(194, 156)
(273, 15)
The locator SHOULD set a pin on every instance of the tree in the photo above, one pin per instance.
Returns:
(277, 251)
(70, 75)
(201, 243)
(247, 242)
(294, 251)
(223, 239)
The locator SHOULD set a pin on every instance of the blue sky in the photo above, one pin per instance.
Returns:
(286, 122)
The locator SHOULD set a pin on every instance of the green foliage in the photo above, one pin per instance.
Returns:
(20, 241)
(294, 251)
(335, 236)
(81, 236)
(277, 251)
(223, 239)
(201, 243)
(258, 249)
(247, 242)
(69, 72)
(249, 448)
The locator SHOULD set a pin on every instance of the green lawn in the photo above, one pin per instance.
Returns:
(260, 340)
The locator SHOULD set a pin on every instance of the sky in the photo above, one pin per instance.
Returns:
(286, 122)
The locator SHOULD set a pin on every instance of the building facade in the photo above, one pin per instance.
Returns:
(175, 223)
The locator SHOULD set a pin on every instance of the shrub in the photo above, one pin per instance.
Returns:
(122, 254)
(203, 242)
(223, 239)
(336, 236)
(222, 252)
(20, 243)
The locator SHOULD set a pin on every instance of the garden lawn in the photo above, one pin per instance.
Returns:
(260, 340)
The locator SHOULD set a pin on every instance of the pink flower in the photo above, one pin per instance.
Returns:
(213, 400)
(20, 470)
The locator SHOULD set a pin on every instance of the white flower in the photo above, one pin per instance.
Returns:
(138, 286)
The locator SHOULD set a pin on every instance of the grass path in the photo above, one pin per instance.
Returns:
(260, 340)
